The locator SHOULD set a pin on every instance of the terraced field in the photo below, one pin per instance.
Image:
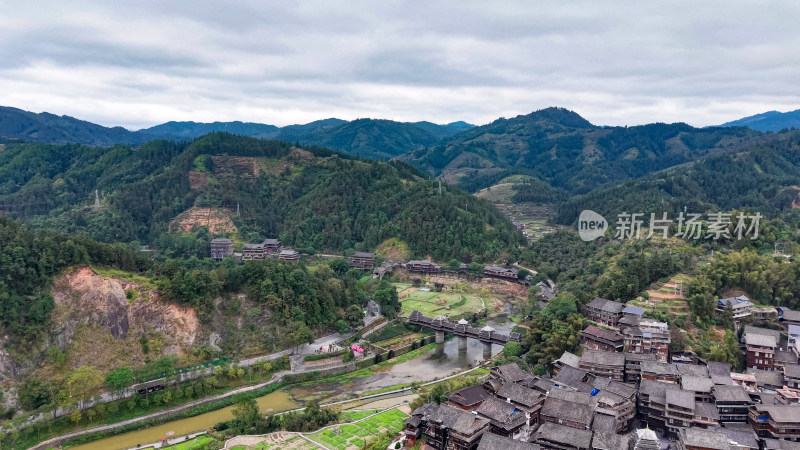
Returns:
(354, 435)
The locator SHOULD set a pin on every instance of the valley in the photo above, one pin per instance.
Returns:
(116, 315)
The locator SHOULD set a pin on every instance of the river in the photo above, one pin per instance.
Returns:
(445, 360)
(276, 401)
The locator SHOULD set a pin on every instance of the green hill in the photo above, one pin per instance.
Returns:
(563, 149)
(310, 197)
(762, 177)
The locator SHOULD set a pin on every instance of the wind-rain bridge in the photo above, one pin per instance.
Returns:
(463, 330)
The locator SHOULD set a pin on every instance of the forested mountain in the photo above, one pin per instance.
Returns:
(768, 121)
(762, 177)
(45, 127)
(370, 138)
(309, 197)
(563, 149)
(191, 130)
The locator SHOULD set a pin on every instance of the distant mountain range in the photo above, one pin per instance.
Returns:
(370, 138)
(768, 121)
(568, 152)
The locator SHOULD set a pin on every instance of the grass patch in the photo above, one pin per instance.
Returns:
(198, 443)
(144, 282)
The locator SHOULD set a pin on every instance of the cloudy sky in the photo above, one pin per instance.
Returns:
(140, 63)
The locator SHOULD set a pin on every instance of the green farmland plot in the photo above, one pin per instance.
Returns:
(354, 435)
(433, 303)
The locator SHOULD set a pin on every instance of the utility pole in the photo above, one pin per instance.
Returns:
(440, 187)
(96, 200)
(237, 210)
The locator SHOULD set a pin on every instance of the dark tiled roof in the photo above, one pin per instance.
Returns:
(700, 438)
(766, 377)
(719, 368)
(786, 357)
(613, 307)
(221, 241)
(680, 397)
(633, 310)
(760, 340)
(625, 390)
(458, 420)
(749, 329)
(609, 441)
(599, 357)
(640, 357)
(792, 370)
(697, 384)
(629, 320)
(706, 410)
(658, 368)
(512, 372)
(553, 432)
(570, 376)
(655, 389)
(570, 359)
(571, 411)
(742, 437)
(692, 369)
(597, 303)
(572, 396)
(363, 255)
(781, 413)
(501, 413)
(603, 423)
(519, 394)
(468, 396)
(491, 441)
(792, 316)
(601, 333)
(730, 393)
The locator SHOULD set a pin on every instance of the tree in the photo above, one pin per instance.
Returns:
(354, 316)
(727, 316)
(540, 370)
(300, 335)
(246, 413)
(341, 326)
(83, 382)
(75, 417)
(512, 349)
(118, 380)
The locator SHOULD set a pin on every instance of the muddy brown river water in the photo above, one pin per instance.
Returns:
(441, 362)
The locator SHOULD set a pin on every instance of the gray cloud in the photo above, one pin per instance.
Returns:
(617, 62)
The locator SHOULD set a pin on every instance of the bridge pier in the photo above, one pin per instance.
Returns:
(487, 350)
(462, 343)
(440, 337)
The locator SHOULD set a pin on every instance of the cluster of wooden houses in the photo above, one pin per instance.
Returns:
(221, 248)
(626, 390)
(428, 266)
(618, 400)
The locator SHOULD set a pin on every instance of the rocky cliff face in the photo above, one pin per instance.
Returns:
(85, 299)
